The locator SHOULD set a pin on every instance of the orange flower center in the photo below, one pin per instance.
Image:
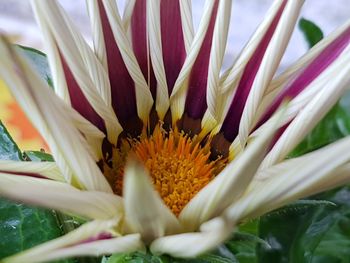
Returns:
(179, 166)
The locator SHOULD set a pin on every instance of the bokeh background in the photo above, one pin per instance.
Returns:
(17, 21)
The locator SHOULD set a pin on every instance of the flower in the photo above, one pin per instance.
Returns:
(152, 144)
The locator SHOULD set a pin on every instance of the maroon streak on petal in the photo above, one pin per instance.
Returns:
(25, 174)
(78, 100)
(101, 236)
(122, 85)
(196, 102)
(310, 73)
(278, 135)
(231, 123)
(139, 43)
(173, 45)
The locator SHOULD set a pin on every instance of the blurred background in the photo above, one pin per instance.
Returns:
(16, 20)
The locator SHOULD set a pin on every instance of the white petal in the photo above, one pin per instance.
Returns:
(54, 60)
(84, 65)
(46, 169)
(236, 70)
(123, 244)
(282, 79)
(92, 134)
(231, 79)
(127, 15)
(268, 67)
(51, 119)
(60, 196)
(155, 50)
(145, 211)
(187, 23)
(144, 98)
(64, 246)
(279, 82)
(215, 61)
(331, 86)
(228, 185)
(340, 177)
(294, 179)
(53, 14)
(178, 96)
(97, 32)
(189, 245)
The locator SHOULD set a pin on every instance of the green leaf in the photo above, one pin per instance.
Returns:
(319, 234)
(334, 246)
(38, 61)
(38, 156)
(287, 235)
(251, 226)
(243, 247)
(139, 257)
(312, 33)
(212, 258)
(22, 227)
(242, 236)
(8, 148)
(300, 206)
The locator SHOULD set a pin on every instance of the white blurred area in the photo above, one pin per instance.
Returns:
(16, 20)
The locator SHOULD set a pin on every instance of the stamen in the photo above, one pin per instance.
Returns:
(179, 166)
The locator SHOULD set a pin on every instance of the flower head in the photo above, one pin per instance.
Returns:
(152, 144)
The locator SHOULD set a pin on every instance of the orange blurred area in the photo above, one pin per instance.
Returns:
(18, 125)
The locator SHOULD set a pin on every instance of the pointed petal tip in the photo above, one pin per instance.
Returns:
(74, 244)
(190, 245)
(146, 212)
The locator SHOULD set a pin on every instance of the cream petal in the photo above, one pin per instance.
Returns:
(294, 179)
(144, 98)
(69, 244)
(145, 211)
(97, 32)
(273, 54)
(340, 177)
(69, 148)
(291, 72)
(84, 65)
(58, 77)
(335, 82)
(234, 73)
(60, 196)
(228, 185)
(283, 78)
(304, 80)
(123, 244)
(187, 23)
(52, 13)
(178, 96)
(127, 15)
(92, 134)
(156, 49)
(190, 245)
(269, 65)
(216, 58)
(46, 169)
(156, 53)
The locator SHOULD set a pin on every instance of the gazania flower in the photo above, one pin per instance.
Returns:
(153, 145)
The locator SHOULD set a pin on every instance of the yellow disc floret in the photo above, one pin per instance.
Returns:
(178, 165)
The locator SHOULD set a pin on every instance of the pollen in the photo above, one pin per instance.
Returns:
(179, 166)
